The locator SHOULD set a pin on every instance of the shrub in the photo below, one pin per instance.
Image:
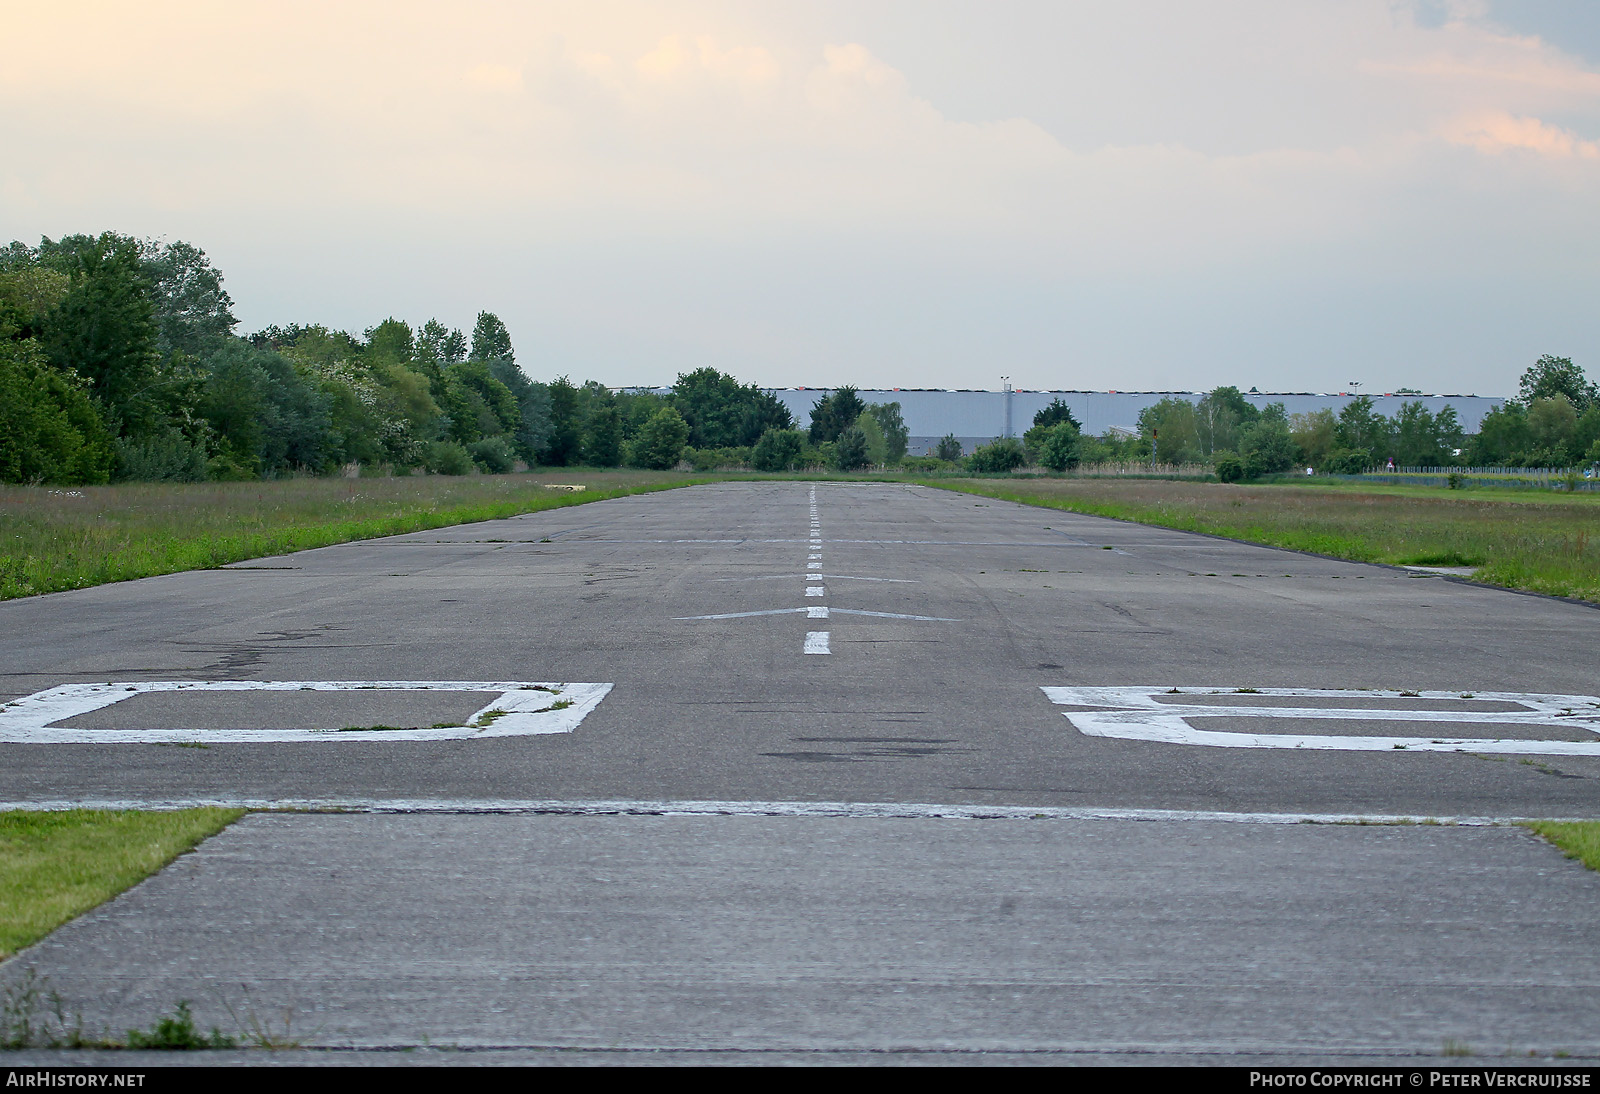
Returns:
(1058, 447)
(1348, 461)
(923, 464)
(660, 441)
(850, 450)
(778, 450)
(998, 457)
(493, 454)
(448, 458)
(168, 457)
(1229, 468)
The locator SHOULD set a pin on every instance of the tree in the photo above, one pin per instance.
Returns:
(1360, 426)
(1219, 418)
(1422, 439)
(762, 411)
(1552, 425)
(440, 345)
(660, 442)
(877, 446)
(712, 403)
(1315, 433)
(390, 343)
(1502, 437)
(778, 450)
(1550, 376)
(191, 306)
(1055, 413)
(948, 448)
(566, 425)
(1266, 445)
(895, 433)
(602, 439)
(832, 414)
(850, 450)
(1170, 428)
(490, 339)
(104, 330)
(1058, 447)
(532, 434)
(49, 431)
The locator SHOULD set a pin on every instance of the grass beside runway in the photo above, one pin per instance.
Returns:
(57, 865)
(1538, 544)
(1577, 839)
(57, 539)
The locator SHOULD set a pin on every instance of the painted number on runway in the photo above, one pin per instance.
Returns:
(1168, 716)
(521, 709)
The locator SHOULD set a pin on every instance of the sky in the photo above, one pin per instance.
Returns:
(1120, 194)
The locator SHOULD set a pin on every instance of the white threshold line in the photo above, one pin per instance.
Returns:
(669, 808)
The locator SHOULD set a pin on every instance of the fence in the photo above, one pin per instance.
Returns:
(1525, 478)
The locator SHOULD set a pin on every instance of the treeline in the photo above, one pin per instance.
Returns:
(1554, 422)
(119, 360)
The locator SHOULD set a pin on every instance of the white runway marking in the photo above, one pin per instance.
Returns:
(894, 615)
(740, 615)
(816, 613)
(1140, 714)
(522, 709)
(634, 808)
(815, 590)
(817, 642)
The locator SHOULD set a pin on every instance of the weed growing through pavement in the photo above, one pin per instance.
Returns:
(177, 1032)
(33, 1015)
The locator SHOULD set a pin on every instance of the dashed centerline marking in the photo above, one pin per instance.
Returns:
(817, 642)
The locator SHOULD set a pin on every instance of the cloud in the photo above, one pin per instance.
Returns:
(1498, 132)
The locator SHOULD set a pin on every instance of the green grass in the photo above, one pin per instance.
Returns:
(1577, 839)
(57, 865)
(1539, 544)
(57, 539)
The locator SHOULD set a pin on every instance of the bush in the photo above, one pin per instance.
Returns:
(1229, 468)
(713, 459)
(168, 457)
(1348, 461)
(924, 464)
(493, 454)
(998, 457)
(51, 431)
(1058, 447)
(778, 450)
(850, 450)
(949, 448)
(448, 458)
(660, 441)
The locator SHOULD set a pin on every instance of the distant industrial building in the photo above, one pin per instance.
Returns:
(978, 417)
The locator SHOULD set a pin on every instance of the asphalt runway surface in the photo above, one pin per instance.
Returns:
(843, 681)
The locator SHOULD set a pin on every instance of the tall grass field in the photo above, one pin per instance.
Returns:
(53, 539)
(1547, 544)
